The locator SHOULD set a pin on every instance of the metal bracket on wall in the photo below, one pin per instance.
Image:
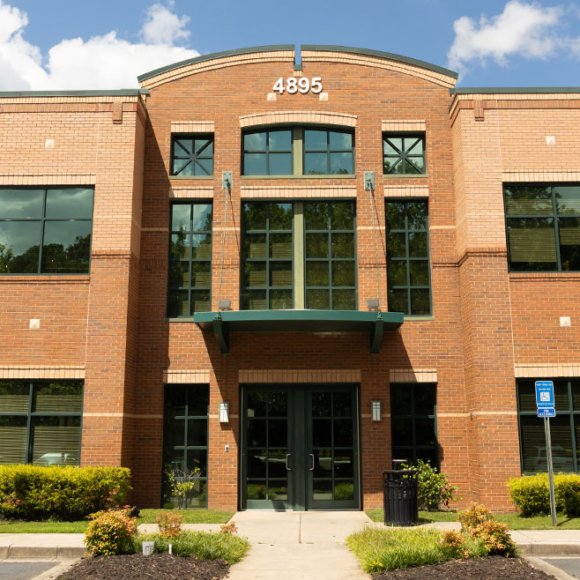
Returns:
(227, 180)
(369, 180)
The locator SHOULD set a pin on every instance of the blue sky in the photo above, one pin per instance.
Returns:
(71, 44)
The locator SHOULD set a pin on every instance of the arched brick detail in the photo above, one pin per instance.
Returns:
(322, 118)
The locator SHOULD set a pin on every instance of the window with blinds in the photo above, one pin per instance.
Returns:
(564, 428)
(543, 227)
(40, 422)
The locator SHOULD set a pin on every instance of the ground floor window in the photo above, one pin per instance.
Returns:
(413, 422)
(564, 428)
(185, 441)
(40, 422)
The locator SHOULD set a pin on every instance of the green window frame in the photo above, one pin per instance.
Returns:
(299, 151)
(186, 440)
(268, 152)
(543, 227)
(192, 154)
(299, 254)
(267, 256)
(190, 259)
(404, 154)
(564, 428)
(408, 263)
(330, 255)
(328, 151)
(45, 230)
(414, 422)
(41, 422)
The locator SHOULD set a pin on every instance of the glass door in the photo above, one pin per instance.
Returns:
(300, 447)
(332, 442)
(266, 453)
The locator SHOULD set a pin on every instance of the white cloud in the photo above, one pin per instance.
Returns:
(522, 29)
(164, 27)
(101, 62)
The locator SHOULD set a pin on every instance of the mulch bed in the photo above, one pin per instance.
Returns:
(490, 568)
(139, 567)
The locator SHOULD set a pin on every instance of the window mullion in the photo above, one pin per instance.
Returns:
(29, 425)
(407, 261)
(299, 257)
(297, 150)
(556, 229)
(572, 420)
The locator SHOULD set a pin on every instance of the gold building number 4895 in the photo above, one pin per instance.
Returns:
(294, 85)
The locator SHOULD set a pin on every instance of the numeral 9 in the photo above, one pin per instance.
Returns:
(303, 85)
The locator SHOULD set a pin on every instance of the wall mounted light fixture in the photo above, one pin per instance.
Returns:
(376, 414)
(224, 412)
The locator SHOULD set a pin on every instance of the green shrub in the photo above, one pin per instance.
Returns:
(473, 516)
(31, 492)
(433, 487)
(111, 533)
(202, 545)
(531, 494)
(383, 549)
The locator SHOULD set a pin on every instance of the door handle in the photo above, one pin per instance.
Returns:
(288, 455)
(312, 455)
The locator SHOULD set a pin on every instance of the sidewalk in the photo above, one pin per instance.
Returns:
(296, 545)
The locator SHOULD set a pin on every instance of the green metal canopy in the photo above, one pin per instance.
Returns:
(222, 323)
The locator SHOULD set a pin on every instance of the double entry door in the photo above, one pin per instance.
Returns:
(300, 447)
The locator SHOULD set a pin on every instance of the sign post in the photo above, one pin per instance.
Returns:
(547, 408)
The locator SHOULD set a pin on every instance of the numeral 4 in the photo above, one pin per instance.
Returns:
(279, 86)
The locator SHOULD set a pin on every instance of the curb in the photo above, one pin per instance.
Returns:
(546, 567)
(549, 550)
(41, 552)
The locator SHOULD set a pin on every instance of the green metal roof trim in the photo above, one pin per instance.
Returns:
(222, 323)
(113, 93)
(381, 54)
(513, 90)
(215, 55)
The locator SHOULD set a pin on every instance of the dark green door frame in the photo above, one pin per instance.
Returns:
(321, 442)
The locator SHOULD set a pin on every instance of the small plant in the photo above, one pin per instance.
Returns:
(433, 488)
(169, 524)
(453, 544)
(478, 523)
(230, 528)
(474, 516)
(495, 536)
(182, 483)
(111, 533)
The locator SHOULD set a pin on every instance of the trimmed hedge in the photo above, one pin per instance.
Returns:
(32, 492)
(531, 494)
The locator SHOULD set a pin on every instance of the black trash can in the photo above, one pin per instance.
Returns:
(400, 497)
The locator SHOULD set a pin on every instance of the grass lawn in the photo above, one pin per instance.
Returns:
(514, 521)
(148, 516)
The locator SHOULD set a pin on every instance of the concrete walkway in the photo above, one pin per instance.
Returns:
(298, 546)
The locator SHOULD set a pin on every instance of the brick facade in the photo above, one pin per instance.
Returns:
(111, 326)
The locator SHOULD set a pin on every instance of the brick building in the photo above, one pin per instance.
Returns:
(288, 275)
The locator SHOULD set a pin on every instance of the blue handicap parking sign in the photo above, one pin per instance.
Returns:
(545, 395)
(546, 412)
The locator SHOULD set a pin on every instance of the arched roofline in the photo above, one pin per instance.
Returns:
(380, 54)
(215, 56)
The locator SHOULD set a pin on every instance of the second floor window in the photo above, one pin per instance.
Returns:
(192, 155)
(408, 272)
(45, 231)
(543, 227)
(298, 151)
(299, 255)
(190, 259)
(404, 154)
